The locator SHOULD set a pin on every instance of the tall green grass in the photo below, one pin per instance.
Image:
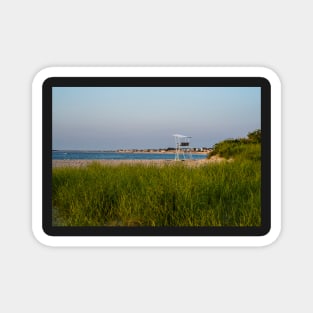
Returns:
(214, 194)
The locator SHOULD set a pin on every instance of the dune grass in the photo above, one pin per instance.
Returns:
(223, 194)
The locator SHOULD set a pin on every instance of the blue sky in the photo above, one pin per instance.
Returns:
(109, 118)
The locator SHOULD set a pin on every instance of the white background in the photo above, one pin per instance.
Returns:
(37, 34)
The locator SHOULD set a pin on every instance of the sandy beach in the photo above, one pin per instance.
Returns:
(81, 163)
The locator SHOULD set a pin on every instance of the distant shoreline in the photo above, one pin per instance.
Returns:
(161, 152)
(133, 151)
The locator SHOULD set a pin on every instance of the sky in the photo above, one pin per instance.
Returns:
(111, 118)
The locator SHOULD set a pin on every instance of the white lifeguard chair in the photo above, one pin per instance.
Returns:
(182, 146)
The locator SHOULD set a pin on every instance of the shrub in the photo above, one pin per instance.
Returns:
(241, 148)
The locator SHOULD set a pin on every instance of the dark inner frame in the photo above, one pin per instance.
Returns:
(156, 82)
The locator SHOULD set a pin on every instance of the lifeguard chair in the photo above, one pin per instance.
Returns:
(182, 147)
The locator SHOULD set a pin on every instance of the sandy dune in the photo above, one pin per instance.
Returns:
(80, 163)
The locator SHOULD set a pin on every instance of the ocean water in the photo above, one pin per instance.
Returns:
(96, 155)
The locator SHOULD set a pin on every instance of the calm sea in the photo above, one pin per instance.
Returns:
(94, 155)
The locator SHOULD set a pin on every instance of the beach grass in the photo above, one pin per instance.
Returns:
(213, 194)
